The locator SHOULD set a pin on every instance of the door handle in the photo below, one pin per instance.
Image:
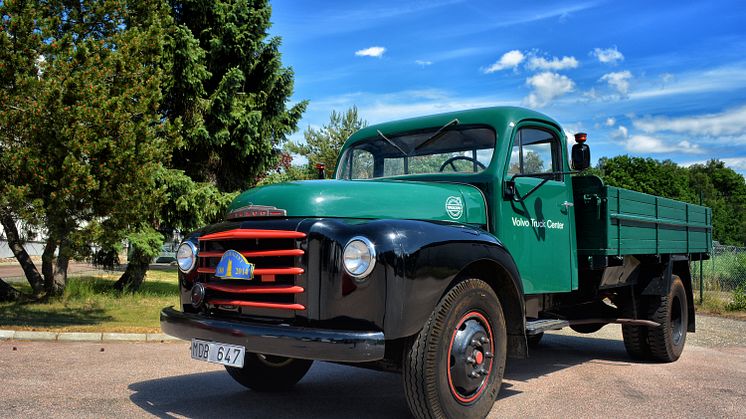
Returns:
(567, 204)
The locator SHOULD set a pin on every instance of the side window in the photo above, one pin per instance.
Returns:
(534, 151)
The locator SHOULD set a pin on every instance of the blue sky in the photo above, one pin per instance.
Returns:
(661, 79)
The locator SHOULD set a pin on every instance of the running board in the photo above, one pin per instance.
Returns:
(534, 327)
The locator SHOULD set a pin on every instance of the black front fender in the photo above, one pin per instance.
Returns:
(434, 256)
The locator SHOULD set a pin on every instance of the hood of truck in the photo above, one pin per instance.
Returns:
(371, 199)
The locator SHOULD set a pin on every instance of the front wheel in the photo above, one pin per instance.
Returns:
(269, 373)
(455, 365)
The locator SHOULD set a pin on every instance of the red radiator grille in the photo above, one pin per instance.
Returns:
(277, 283)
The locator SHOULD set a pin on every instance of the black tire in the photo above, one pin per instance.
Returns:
(636, 342)
(464, 335)
(534, 340)
(635, 337)
(269, 373)
(671, 311)
(587, 328)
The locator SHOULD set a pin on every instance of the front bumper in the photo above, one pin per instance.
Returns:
(289, 341)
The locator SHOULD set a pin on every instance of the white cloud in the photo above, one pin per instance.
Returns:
(547, 86)
(510, 59)
(645, 144)
(718, 79)
(371, 52)
(423, 63)
(381, 107)
(730, 122)
(621, 132)
(619, 81)
(591, 94)
(541, 63)
(608, 55)
(667, 78)
(610, 122)
(736, 163)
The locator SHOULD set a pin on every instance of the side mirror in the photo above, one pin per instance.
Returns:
(581, 153)
(509, 189)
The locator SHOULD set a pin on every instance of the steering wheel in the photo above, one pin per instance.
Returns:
(456, 158)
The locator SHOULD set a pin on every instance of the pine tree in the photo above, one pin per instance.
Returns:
(322, 146)
(230, 91)
(81, 134)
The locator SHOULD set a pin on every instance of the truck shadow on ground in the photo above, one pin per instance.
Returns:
(331, 390)
(558, 352)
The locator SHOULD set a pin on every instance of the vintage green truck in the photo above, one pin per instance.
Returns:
(445, 245)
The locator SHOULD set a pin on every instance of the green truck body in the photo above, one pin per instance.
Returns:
(446, 244)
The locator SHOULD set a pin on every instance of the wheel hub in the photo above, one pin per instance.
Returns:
(470, 360)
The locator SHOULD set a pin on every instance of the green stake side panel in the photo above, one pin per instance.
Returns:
(615, 221)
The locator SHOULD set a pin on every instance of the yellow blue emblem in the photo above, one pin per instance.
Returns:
(234, 266)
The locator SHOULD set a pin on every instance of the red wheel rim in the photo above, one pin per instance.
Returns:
(470, 357)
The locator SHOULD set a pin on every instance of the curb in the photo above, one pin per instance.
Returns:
(85, 336)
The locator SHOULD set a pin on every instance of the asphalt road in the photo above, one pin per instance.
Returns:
(568, 376)
(13, 273)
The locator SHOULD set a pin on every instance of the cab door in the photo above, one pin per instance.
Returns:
(536, 226)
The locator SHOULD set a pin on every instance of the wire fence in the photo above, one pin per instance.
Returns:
(724, 274)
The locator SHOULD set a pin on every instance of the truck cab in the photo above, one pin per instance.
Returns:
(444, 245)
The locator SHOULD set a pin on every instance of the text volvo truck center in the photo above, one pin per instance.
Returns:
(445, 245)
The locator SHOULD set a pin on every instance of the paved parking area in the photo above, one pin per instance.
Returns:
(570, 375)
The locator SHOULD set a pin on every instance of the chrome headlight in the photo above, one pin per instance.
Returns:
(359, 257)
(186, 257)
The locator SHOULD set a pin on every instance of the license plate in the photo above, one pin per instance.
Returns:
(218, 353)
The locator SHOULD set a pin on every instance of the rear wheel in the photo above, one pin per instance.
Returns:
(636, 342)
(663, 343)
(671, 311)
(268, 372)
(455, 365)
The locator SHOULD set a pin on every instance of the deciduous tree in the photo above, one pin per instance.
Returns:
(721, 188)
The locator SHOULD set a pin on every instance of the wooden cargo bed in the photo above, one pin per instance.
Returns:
(614, 221)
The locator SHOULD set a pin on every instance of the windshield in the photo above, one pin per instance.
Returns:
(463, 149)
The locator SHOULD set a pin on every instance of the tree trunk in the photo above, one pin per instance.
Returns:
(8, 293)
(47, 260)
(55, 269)
(58, 280)
(134, 275)
(14, 241)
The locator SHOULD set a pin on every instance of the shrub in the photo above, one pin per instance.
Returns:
(739, 299)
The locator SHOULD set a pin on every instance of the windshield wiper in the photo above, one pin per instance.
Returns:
(391, 142)
(437, 134)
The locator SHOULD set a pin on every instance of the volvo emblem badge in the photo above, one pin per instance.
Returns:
(454, 207)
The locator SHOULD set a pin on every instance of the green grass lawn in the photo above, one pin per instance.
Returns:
(91, 304)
